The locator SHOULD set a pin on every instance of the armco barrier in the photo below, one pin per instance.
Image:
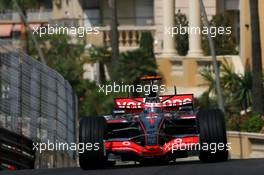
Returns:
(246, 145)
(15, 150)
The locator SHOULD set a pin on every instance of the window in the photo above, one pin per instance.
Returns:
(90, 4)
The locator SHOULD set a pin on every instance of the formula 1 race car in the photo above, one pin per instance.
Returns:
(153, 129)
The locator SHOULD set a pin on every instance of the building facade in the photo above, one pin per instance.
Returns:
(137, 16)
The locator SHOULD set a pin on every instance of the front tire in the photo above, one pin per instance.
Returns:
(92, 131)
(211, 124)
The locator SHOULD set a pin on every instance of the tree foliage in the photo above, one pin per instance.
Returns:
(237, 88)
(24, 4)
(101, 55)
(146, 43)
(252, 123)
(248, 122)
(68, 60)
(224, 43)
(62, 56)
(139, 62)
(131, 65)
(65, 57)
(135, 64)
(182, 40)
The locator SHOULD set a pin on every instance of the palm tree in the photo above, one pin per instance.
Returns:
(237, 88)
(208, 75)
(114, 38)
(135, 64)
(182, 39)
(257, 85)
(220, 98)
(101, 55)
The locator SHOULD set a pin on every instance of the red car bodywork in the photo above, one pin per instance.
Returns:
(136, 105)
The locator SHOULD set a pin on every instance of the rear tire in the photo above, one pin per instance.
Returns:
(92, 131)
(212, 130)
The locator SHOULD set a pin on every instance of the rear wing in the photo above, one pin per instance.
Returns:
(169, 102)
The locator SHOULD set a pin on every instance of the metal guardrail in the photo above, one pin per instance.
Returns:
(35, 101)
(15, 150)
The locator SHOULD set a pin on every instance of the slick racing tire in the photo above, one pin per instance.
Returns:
(211, 125)
(92, 132)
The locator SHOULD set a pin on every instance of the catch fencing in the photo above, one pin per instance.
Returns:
(35, 101)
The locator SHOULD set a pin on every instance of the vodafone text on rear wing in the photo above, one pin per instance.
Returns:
(170, 102)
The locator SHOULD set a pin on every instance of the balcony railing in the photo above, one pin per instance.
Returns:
(92, 17)
(66, 22)
(129, 36)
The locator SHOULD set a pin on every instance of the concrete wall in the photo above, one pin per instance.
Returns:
(53, 159)
(184, 72)
(246, 145)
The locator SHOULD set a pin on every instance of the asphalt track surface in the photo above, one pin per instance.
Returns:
(232, 167)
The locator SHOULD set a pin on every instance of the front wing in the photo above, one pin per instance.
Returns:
(181, 143)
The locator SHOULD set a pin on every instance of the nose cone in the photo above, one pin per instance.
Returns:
(153, 151)
(151, 123)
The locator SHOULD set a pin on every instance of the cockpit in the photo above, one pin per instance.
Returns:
(149, 110)
(152, 105)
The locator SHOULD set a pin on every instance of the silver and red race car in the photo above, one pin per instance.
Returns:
(153, 129)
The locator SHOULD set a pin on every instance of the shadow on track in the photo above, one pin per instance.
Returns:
(241, 167)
